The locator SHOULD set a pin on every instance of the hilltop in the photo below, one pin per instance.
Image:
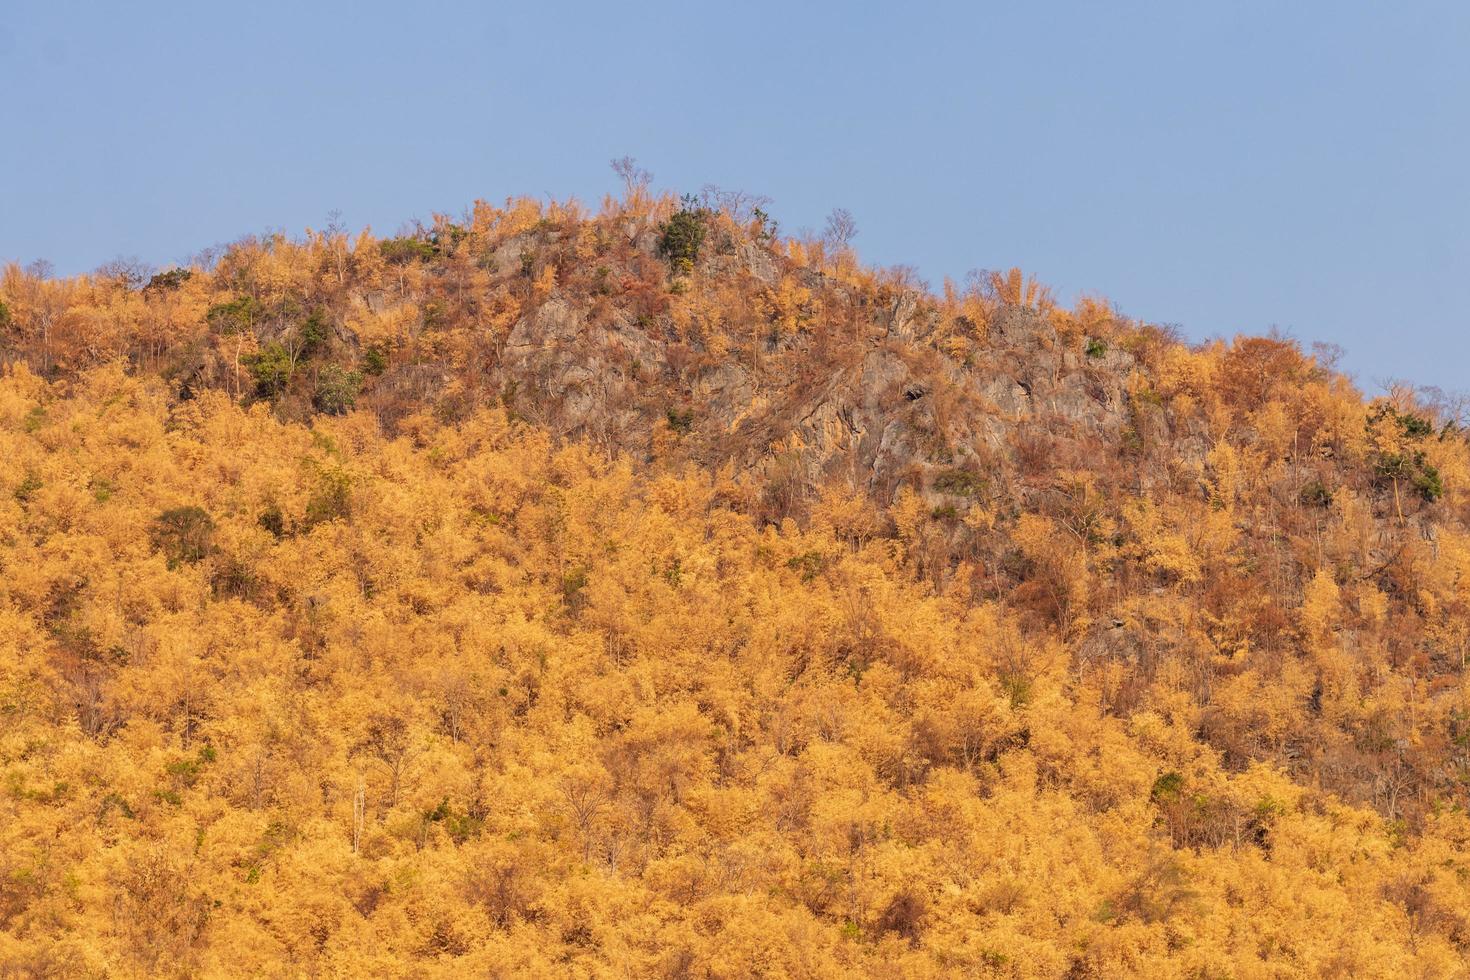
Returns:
(643, 591)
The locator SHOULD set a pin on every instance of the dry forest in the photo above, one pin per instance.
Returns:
(643, 592)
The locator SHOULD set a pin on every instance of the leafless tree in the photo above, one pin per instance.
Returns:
(635, 178)
(336, 233)
(739, 205)
(841, 228)
(1448, 406)
(130, 272)
(1328, 356)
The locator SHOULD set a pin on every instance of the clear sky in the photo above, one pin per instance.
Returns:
(1226, 166)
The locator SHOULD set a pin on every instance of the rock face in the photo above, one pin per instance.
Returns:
(753, 362)
(886, 408)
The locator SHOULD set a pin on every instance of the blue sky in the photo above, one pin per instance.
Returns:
(1227, 167)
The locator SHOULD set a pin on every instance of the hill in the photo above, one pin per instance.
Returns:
(644, 592)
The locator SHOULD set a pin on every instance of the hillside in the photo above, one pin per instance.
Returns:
(642, 592)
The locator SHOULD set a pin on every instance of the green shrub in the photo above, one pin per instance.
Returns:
(810, 564)
(1096, 347)
(170, 280)
(572, 585)
(402, 251)
(183, 534)
(271, 368)
(374, 361)
(1167, 787)
(959, 483)
(1428, 483)
(1415, 426)
(1017, 688)
(680, 421)
(331, 499)
(1411, 464)
(236, 316)
(1316, 494)
(26, 488)
(447, 237)
(1411, 425)
(765, 226)
(314, 332)
(336, 390)
(682, 236)
(272, 520)
(5, 317)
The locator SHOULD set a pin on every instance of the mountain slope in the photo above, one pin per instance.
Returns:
(535, 593)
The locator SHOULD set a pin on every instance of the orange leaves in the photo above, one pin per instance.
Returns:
(1321, 607)
(849, 636)
(788, 306)
(1163, 547)
(1255, 368)
(1015, 288)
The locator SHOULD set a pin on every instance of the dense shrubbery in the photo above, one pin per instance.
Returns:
(915, 633)
(472, 715)
(398, 251)
(959, 483)
(336, 390)
(170, 279)
(183, 534)
(271, 367)
(682, 236)
(234, 316)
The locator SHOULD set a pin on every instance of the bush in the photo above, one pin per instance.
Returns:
(332, 498)
(26, 489)
(314, 332)
(572, 585)
(680, 421)
(1167, 787)
(183, 534)
(374, 361)
(1422, 475)
(1096, 347)
(682, 236)
(447, 237)
(336, 390)
(272, 520)
(1411, 425)
(5, 318)
(1412, 464)
(765, 226)
(235, 316)
(1316, 494)
(809, 564)
(959, 483)
(271, 368)
(904, 915)
(1428, 483)
(170, 280)
(402, 251)
(1416, 427)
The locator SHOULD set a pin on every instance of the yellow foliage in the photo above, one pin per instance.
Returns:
(353, 624)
